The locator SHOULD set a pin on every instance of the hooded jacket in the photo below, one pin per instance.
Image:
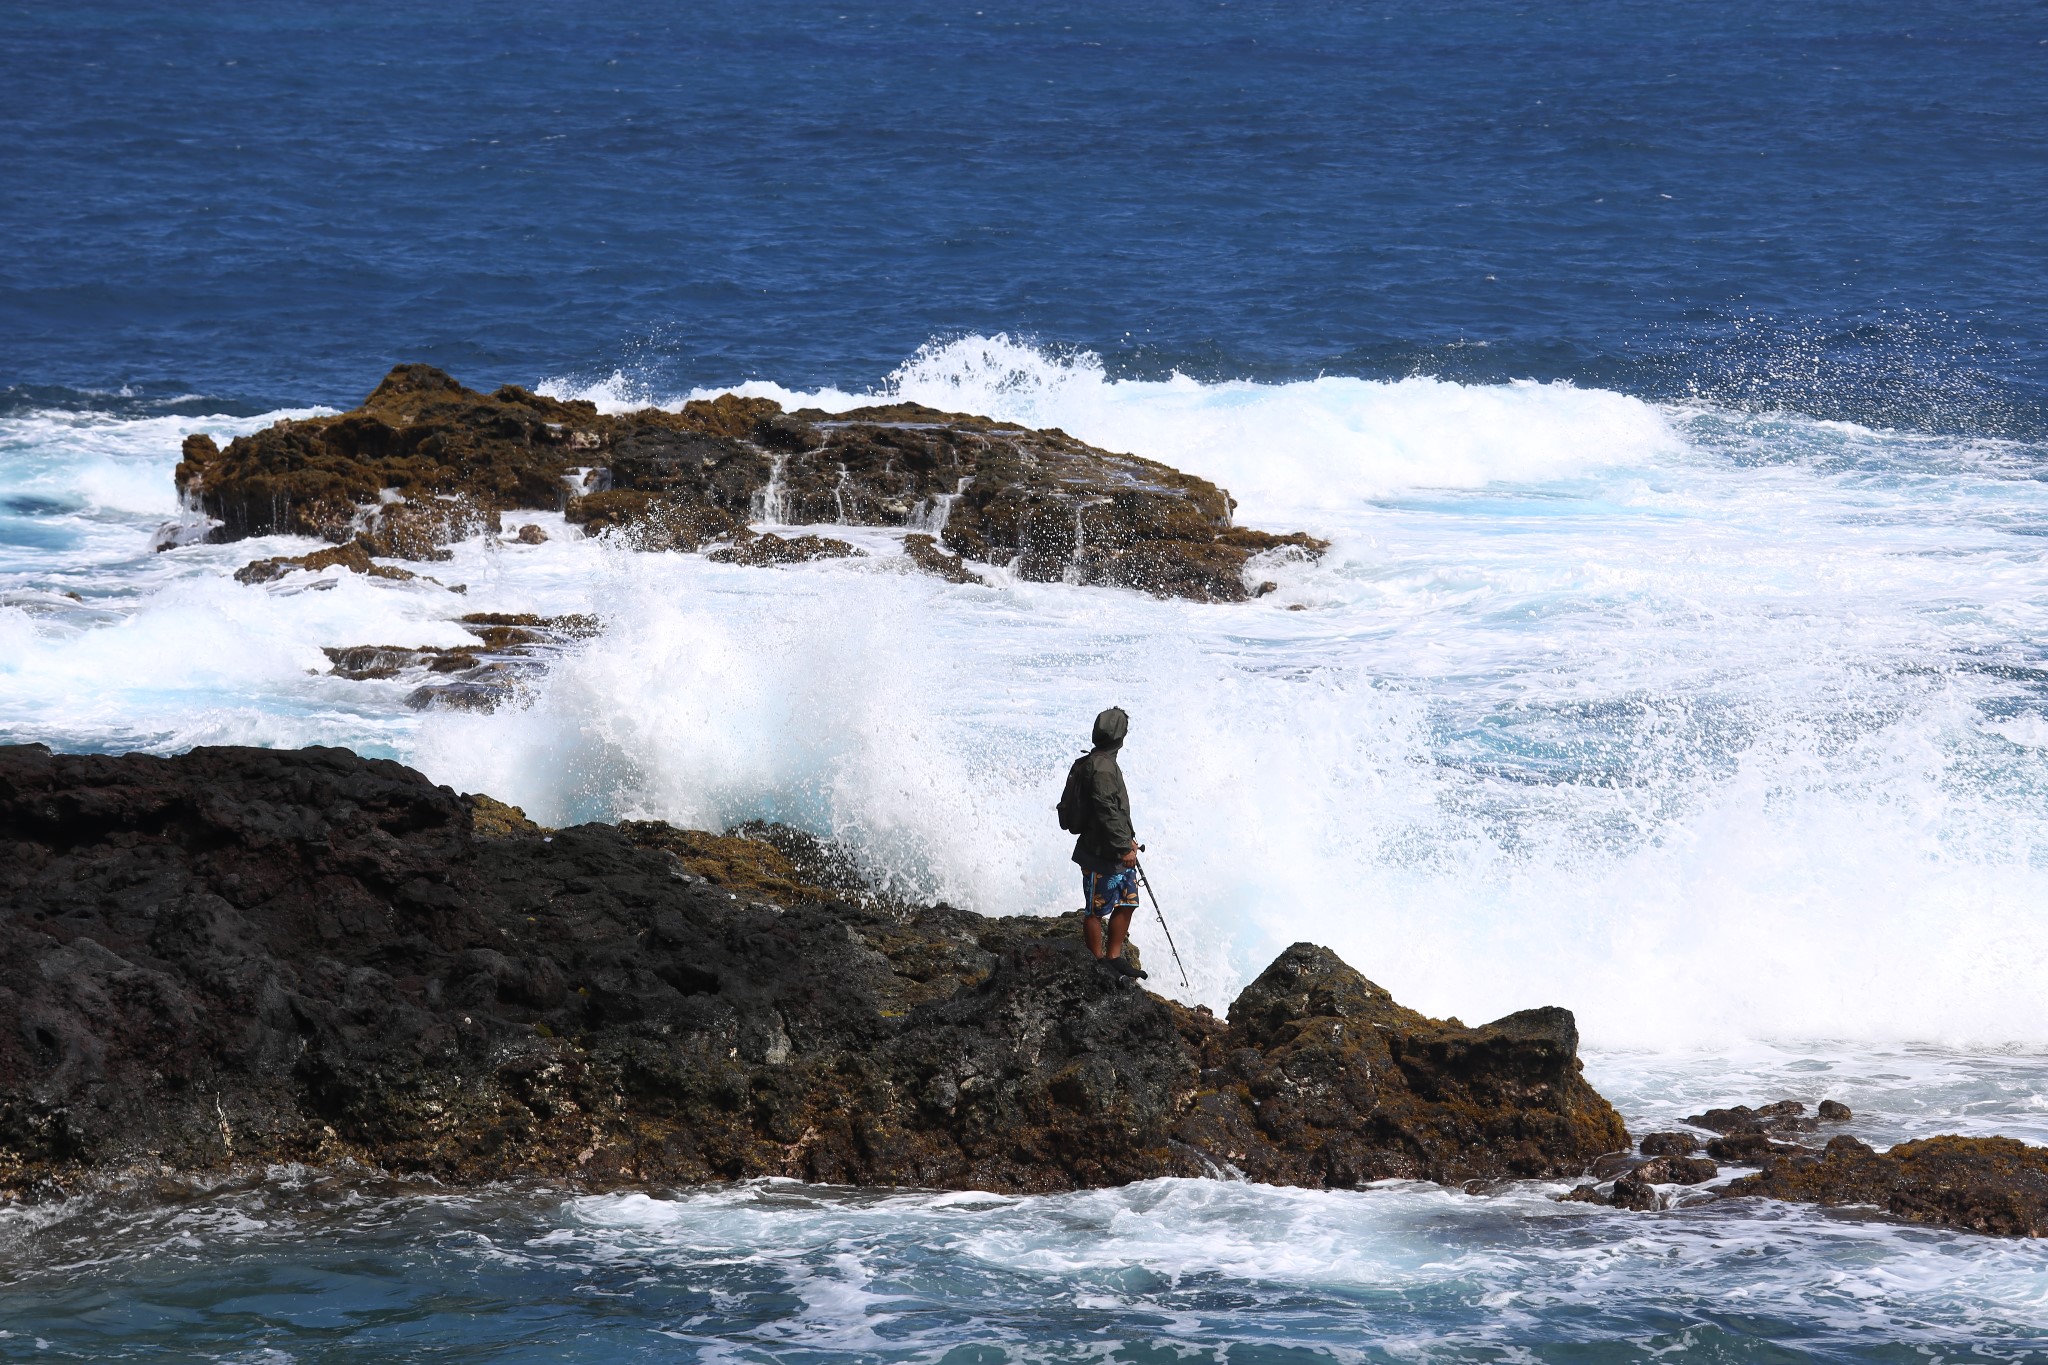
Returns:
(1102, 845)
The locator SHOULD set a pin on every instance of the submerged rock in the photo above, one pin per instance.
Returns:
(425, 462)
(511, 649)
(243, 956)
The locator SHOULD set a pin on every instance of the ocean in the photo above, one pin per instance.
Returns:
(1671, 382)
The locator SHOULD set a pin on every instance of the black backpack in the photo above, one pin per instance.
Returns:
(1074, 807)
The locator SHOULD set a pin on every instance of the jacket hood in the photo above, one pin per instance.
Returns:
(1111, 727)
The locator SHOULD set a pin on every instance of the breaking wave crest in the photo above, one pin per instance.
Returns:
(1312, 448)
(1708, 726)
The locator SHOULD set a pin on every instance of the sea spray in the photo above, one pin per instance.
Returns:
(1711, 726)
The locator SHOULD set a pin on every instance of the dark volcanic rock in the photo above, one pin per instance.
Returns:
(1669, 1144)
(425, 462)
(243, 956)
(1991, 1185)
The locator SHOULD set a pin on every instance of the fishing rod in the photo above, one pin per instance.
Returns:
(1146, 882)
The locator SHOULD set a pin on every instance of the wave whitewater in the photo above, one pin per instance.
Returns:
(1717, 727)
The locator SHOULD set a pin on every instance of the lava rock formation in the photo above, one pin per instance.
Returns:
(243, 956)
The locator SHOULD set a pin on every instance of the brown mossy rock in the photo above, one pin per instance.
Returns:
(1051, 507)
(501, 630)
(424, 436)
(1676, 1170)
(732, 861)
(426, 462)
(365, 663)
(923, 551)
(494, 819)
(1752, 1149)
(731, 416)
(242, 956)
(1348, 1086)
(511, 649)
(1634, 1184)
(652, 521)
(767, 549)
(1991, 1185)
(1669, 1144)
(354, 556)
(1783, 1118)
(419, 433)
(418, 530)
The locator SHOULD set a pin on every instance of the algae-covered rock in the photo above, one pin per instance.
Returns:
(353, 556)
(762, 551)
(1992, 1185)
(426, 462)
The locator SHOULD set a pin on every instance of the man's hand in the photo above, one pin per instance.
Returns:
(1131, 854)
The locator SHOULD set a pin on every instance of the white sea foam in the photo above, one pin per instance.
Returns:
(1710, 728)
(1187, 1261)
(1206, 1269)
(1315, 450)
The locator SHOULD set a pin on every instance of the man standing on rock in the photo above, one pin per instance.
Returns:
(1097, 809)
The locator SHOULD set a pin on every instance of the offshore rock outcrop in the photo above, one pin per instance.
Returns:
(425, 462)
(244, 956)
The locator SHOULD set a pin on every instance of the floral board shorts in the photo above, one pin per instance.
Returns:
(1105, 893)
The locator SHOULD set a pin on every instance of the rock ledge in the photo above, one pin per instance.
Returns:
(245, 956)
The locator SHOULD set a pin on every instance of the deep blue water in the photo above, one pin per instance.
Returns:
(1834, 208)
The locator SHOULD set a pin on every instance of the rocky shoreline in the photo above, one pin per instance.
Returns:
(241, 957)
(425, 463)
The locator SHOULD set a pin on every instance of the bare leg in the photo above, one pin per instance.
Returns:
(1119, 929)
(1091, 933)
